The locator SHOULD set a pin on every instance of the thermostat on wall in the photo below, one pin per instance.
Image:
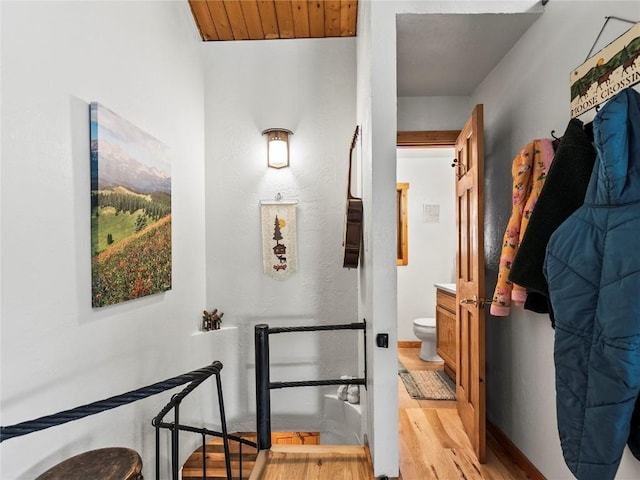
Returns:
(430, 213)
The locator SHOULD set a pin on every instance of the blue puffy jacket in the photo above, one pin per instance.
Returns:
(593, 270)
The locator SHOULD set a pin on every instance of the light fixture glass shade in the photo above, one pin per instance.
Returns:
(277, 147)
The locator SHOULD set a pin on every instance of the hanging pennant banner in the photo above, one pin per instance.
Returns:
(279, 240)
(612, 69)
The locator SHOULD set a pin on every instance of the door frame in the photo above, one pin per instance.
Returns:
(432, 139)
(428, 139)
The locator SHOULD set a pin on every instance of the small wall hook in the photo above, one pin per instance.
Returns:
(456, 164)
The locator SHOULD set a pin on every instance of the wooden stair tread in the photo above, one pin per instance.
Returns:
(247, 464)
(213, 472)
(197, 456)
(220, 461)
(313, 462)
(216, 469)
(232, 448)
(319, 449)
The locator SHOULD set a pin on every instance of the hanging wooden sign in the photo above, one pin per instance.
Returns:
(279, 239)
(612, 69)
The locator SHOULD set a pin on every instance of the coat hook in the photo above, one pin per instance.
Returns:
(457, 164)
(556, 140)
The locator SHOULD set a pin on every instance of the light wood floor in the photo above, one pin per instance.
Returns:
(433, 444)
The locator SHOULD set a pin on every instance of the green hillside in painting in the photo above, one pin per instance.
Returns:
(117, 213)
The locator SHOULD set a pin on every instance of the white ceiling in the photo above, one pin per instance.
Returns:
(448, 54)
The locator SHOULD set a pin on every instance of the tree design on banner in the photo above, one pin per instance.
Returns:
(279, 226)
(280, 249)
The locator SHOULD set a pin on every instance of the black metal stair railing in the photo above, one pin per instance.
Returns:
(193, 378)
(175, 429)
(264, 385)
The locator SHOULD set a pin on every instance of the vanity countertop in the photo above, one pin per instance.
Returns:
(447, 287)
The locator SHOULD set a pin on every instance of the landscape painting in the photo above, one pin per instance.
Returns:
(130, 210)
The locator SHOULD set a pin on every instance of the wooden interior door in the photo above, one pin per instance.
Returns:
(470, 328)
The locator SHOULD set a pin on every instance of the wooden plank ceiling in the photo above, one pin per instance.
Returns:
(220, 20)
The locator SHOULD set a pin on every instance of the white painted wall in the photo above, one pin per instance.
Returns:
(141, 60)
(525, 97)
(307, 86)
(432, 246)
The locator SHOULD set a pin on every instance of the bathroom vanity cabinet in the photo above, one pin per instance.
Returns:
(446, 326)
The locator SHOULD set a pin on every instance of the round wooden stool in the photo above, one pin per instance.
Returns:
(100, 464)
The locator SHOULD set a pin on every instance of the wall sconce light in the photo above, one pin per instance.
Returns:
(277, 147)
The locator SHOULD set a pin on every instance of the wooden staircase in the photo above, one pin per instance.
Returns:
(216, 469)
(293, 456)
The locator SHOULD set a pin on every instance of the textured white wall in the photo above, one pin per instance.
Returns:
(141, 60)
(307, 86)
(432, 246)
(525, 97)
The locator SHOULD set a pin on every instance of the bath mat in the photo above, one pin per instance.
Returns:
(428, 385)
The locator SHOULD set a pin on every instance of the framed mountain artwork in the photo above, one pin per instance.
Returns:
(130, 210)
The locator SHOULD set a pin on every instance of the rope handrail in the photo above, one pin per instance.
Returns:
(77, 413)
(214, 368)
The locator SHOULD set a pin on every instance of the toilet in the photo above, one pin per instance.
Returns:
(425, 330)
